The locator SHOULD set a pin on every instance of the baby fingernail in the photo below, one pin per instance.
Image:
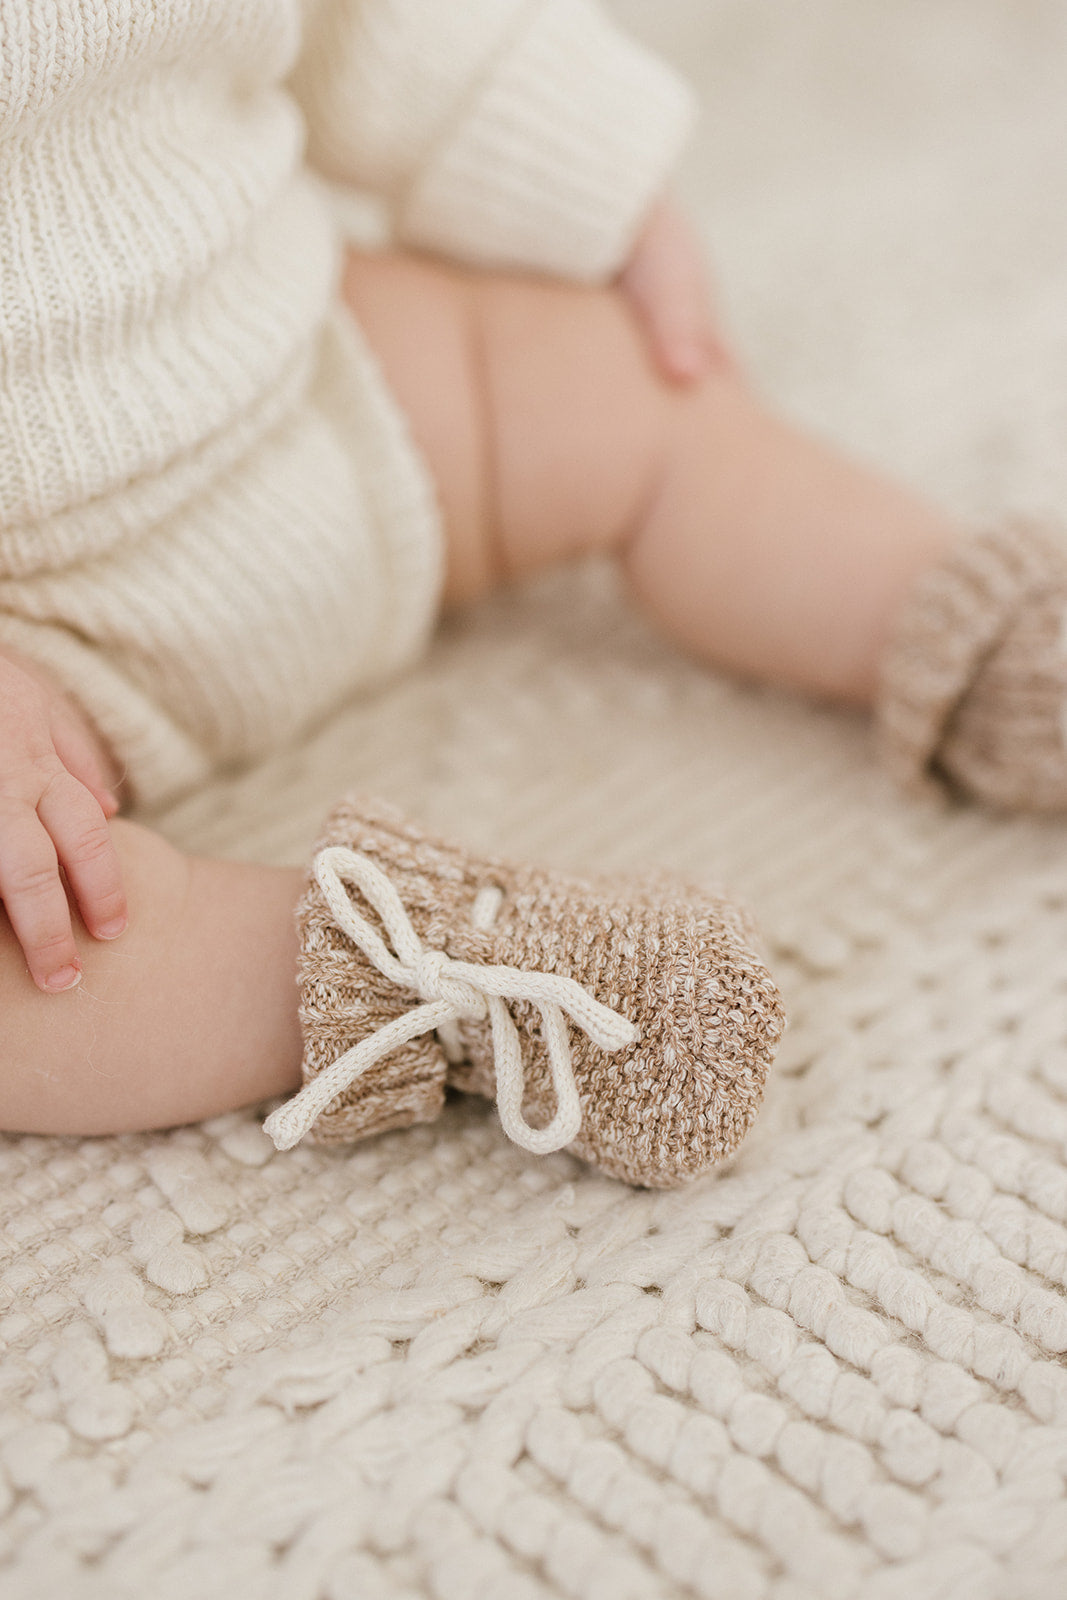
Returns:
(111, 930)
(65, 978)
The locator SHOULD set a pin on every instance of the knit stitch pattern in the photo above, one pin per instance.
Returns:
(676, 961)
(974, 684)
(431, 1367)
(214, 524)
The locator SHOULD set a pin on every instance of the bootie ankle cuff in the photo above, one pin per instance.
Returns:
(974, 683)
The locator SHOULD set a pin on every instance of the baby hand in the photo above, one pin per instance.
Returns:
(55, 802)
(667, 283)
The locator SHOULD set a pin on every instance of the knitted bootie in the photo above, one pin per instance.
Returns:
(974, 684)
(631, 1020)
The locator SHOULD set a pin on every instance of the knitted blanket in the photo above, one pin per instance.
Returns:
(432, 1366)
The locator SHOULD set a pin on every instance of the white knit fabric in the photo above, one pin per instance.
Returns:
(434, 1368)
(213, 523)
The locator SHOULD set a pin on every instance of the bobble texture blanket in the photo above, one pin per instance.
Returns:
(432, 1367)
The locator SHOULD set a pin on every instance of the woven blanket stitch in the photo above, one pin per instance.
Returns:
(436, 1368)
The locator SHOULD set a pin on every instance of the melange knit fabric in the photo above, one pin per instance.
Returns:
(213, 521)
(677, 962)
(974, 683)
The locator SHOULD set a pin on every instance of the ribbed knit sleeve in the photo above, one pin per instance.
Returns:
(214, 521)
(524, 133)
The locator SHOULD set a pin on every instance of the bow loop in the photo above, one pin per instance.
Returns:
(450, 991)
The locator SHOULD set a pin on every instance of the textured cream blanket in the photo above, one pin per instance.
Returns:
(435, 1367)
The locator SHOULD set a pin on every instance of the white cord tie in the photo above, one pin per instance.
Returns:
(450, 992)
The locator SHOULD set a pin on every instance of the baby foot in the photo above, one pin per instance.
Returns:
(630, 1021)
(974, 685)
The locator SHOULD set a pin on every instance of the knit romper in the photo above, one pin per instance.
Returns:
(213, 521)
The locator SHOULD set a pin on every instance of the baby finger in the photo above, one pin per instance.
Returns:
(35, 900)
(78, 829)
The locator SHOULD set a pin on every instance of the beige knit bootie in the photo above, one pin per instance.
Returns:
(631, 1021)
(974, 685)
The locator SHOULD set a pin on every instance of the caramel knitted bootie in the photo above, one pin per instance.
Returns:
(631, 1021)
(974, 684)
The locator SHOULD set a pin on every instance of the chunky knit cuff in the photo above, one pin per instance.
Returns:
(974, 684)
(557, 157)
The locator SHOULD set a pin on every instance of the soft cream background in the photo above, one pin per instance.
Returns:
(434, 1367)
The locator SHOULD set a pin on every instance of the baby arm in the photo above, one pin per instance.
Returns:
(56, 797)
(517, 134)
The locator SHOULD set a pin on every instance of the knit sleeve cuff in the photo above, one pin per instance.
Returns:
(555, 160)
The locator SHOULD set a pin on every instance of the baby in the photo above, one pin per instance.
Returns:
(242, 466)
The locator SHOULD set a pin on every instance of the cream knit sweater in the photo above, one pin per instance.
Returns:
(212, 520)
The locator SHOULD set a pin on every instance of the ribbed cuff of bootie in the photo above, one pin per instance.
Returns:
(974, 682)
(631, 1022)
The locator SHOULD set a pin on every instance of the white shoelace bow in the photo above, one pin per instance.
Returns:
(451, 992)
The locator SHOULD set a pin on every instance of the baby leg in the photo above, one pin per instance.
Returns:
(551, 435)
(756, 546)
(191, 1012)
(194, 1010)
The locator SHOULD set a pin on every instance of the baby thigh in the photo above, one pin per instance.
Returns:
(756, 546)
(534, 403)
